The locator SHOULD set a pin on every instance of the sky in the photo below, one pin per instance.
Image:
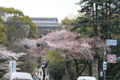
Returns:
(44, 8)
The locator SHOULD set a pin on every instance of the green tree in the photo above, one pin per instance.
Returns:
(70, 21)
(78, 24)
(29, 63)
(56, 66)
(16, 29)
(17, 24)
(3, 38)
(103, 16)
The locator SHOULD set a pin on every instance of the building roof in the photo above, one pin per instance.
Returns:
(46, 21)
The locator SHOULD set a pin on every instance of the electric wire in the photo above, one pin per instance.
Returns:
(85, 24)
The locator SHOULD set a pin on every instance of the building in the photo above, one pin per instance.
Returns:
(46, 24)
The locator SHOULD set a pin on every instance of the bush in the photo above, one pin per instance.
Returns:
(107, 77)
(75, 78)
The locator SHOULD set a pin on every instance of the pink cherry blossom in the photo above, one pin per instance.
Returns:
(8, 56)
(64, 40)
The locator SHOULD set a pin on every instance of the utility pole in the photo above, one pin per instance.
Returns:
(104, 62)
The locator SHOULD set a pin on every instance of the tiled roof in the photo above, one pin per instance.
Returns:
(46, 21)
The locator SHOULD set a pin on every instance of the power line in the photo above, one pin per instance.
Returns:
(85, 24)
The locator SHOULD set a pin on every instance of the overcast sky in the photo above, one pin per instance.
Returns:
(43, 8)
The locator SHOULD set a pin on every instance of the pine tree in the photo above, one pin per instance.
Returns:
(103, 17)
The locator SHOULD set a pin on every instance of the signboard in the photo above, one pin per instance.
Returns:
(111, 42)
(118, 58)
(101, 73)
(12, 66)
(111, 58)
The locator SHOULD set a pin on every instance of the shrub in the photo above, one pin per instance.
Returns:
(107, 77)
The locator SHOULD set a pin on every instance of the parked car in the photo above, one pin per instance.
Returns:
(17, 76)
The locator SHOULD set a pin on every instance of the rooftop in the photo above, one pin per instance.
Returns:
(46, 21)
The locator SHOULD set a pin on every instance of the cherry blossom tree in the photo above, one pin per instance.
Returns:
(84, 48)
(6, 56)
(65, 40)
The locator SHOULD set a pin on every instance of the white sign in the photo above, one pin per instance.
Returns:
(12, 66)
(111, 42)
(101, 73)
